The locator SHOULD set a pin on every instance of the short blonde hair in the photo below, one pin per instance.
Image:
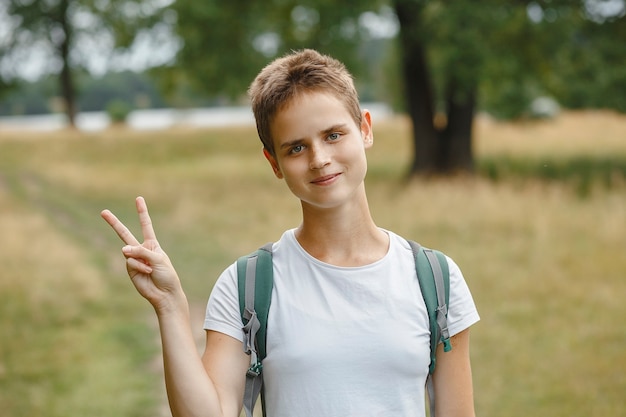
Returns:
(299, 72)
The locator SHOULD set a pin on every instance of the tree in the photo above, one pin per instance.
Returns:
(590, 72)
(212, 57)
(571, 51)
(66, 32)
(455, 56)
(443, 47)
(226, 43)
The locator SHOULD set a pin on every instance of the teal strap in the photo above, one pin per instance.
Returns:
(434, 279)
(429, 293)
(443, 296)
(255, 282)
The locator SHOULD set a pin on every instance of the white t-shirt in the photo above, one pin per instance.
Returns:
(343, 341)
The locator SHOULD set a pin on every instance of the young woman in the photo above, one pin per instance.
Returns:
(348, 331)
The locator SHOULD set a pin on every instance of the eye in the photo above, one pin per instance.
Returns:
(296, 149)
(334, 136)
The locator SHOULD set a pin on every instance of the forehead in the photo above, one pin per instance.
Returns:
(314, 98)
(309, 113)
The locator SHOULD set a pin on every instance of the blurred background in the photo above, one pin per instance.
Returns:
(500, 140)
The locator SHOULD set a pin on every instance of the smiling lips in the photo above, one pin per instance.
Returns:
(325, 180)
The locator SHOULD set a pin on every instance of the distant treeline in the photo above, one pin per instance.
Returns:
(137, 90)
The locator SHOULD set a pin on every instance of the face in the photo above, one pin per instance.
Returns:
(320, 150)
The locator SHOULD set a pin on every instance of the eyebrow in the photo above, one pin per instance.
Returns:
(291, 143)
(327, 131)
(334, 128)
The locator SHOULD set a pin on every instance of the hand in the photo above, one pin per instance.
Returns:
(147, 264)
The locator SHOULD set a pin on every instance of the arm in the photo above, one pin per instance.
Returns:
(195, 386)
(209, 386)
(454, 396)
(226, 363)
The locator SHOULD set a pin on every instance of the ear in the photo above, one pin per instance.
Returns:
(366, 129)
(273, 163)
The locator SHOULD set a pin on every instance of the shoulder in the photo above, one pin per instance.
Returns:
(287, 242)
(222, 312)
(397, 242)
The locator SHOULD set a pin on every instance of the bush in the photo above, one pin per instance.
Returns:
(118, 111)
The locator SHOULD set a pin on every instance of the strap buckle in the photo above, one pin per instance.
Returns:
(255, 369)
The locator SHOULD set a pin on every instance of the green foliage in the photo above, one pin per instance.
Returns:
(510, 99)
(29, 98)
(548, 48)
(6, 86)
(513, 51)
(74, 21)
(118, 110)
(138, 90)
(589, 72)
(58, 29)
(225, 46)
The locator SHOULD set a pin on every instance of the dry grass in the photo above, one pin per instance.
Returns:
(53, 344)
(589, 132)
(546, 266)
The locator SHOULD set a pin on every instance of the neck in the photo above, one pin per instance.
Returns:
(344, 236)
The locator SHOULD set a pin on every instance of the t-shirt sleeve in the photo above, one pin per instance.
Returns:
(462, 312)
(222, 312)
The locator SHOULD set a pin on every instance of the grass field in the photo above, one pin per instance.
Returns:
(540, 234)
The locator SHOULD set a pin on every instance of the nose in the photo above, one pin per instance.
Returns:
(319, 157)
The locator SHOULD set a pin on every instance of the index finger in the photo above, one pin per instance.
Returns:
(119, 227)
(144, 220)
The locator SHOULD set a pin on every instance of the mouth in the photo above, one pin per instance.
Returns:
(325, 180)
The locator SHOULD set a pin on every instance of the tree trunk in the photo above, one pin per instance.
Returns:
(68, 93)
(436, 149)
(456, 137)
(418, 88)
(65, 78)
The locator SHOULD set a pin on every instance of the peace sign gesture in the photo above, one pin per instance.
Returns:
(147, 264)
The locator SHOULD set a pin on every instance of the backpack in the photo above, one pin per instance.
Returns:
(255, 282)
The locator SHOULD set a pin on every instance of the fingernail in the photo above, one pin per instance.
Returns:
(127, 249)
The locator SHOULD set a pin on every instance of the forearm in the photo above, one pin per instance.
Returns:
(190, 391)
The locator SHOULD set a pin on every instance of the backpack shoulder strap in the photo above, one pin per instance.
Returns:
(434, 279)
(255, 282)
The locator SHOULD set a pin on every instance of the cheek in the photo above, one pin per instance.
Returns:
(359, 163)
(295, 187)
(294, 167)
(355, 154)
